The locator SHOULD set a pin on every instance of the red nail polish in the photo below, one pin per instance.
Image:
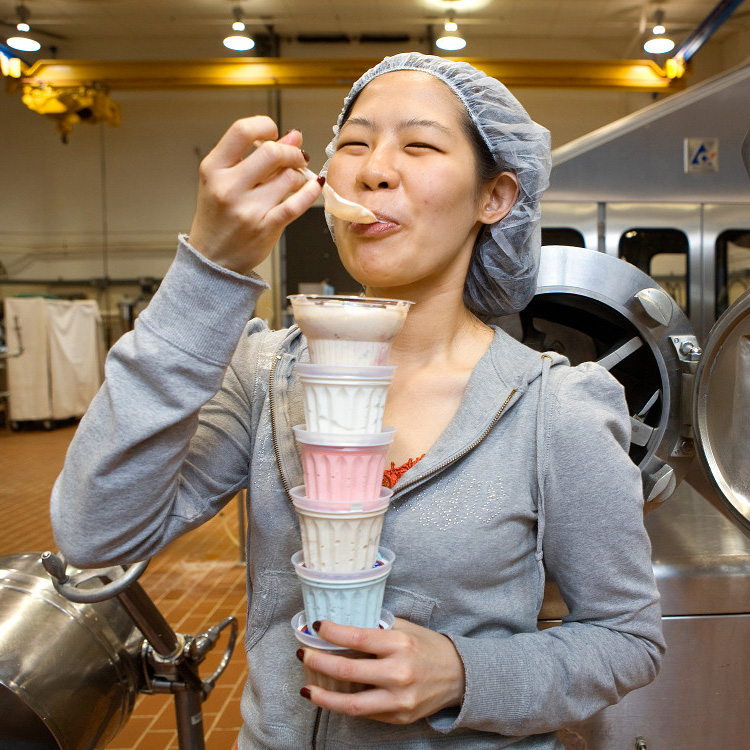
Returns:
(305, 693)
(305, 155)
(321, 182)
(300, 654)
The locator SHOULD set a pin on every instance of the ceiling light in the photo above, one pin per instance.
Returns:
(451, 39)
(238, 42)
(24, 43)
(658, 44)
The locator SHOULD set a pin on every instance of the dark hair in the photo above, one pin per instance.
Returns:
(487, 167)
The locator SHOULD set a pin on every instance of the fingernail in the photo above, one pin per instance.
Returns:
(300, 654)
(291, 130)
(305, 155)
(316, 624)
(305, 693)
(321, 182)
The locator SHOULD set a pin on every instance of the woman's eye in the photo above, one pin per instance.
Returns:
(348, 144)
(419, 145)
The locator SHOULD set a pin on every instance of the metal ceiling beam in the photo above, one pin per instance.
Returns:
(631, 75)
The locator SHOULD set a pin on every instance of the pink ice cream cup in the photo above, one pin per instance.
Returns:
(345, 467)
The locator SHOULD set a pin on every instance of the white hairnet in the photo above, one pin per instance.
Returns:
(502, 274)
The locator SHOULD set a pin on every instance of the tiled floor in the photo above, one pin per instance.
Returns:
(196, 582)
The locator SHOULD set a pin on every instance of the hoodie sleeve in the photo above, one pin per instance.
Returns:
(136, 474)
(597, 550)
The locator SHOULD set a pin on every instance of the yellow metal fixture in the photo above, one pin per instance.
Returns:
(279, 72)
(67, 106)
(72, 91)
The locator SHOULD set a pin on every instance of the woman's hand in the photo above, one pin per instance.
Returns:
(248, 195)
(416, 672)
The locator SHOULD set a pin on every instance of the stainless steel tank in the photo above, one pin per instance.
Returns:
(68, 672)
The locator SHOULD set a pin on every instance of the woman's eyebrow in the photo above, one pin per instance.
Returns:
(403, 125)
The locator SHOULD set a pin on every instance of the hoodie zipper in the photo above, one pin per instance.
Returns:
(274, 440)
(466, 450)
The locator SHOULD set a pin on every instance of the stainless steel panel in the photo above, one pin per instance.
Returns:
(701, 559)
(698, 701)
(582, 216)
(683, 216)
(717, 218)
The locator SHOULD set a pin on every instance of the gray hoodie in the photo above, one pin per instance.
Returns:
(531, 478)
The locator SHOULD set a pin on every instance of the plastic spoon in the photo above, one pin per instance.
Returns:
(338, 206)
(341, 207)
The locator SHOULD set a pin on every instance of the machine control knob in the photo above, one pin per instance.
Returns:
(657, 304)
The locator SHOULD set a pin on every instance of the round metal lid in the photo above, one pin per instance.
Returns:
(721, 409)
(593, 306)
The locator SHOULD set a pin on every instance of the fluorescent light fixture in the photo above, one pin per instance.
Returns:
(238, 42)
(451, 40)
(23, 43)
(21, 26)
(659, 44)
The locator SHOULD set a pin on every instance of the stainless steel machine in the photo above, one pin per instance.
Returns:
(690, 413)
(76, 647)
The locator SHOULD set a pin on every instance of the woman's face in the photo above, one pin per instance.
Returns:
(403, 154)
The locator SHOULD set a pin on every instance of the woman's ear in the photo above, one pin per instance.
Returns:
(498, 198)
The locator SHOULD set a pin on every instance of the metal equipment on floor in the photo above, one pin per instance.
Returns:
(76, 647)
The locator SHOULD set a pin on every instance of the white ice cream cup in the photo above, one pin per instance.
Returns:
(343, 468)
(348, 330)
(344, 399)
(341, 540)
(348, 598)
(307, 637)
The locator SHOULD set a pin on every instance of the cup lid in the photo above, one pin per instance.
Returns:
(382, 567)
(311, 505)
(308, 637)
(365, 372)
(350, 300)
(344, 439)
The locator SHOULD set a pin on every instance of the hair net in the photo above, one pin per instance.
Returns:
(502, 275)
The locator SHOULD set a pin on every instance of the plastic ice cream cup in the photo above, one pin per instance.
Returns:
(348, 330)
(341, 540)
(344, 399)
(307, 637)
(345, 467)
(348, 598)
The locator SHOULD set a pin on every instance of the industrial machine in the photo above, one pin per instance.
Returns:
(690, 414)
(76, 648)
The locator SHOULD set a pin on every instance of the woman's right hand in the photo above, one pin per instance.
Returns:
(248, 195)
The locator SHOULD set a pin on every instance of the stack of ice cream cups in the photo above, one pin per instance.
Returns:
(341, 567)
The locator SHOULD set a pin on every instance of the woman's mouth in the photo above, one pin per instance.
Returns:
(384, 225)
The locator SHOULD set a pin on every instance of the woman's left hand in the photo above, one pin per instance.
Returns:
(416, 672)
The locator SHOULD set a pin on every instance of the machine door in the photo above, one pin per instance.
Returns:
(721, 409)
(591, 306)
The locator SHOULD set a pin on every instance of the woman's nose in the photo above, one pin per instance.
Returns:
(378, 170)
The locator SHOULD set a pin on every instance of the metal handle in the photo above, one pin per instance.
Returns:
(119, 577)
(640, 743)
(212, 635)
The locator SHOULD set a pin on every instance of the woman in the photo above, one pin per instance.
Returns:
(523, 464)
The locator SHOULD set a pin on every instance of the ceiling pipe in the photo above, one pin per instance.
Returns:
(705, 30)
